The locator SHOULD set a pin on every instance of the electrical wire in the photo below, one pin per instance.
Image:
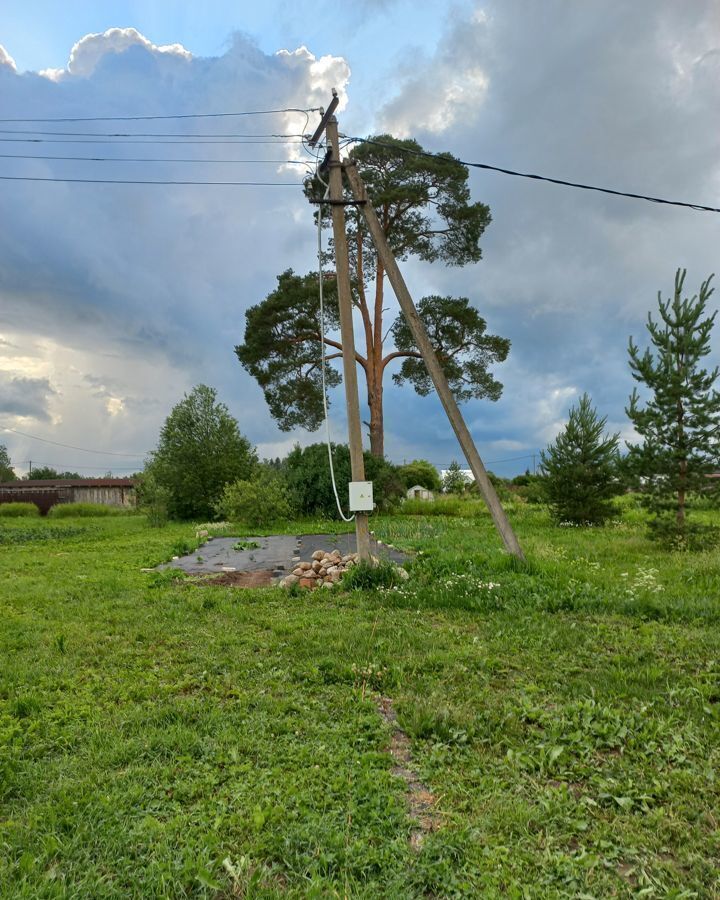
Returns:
(143, 134)
(66, 467)
(322, 374)
(152, 159)
(139, 181)
(225, 143)
(35, 437)
(574, 184)
(221, 115)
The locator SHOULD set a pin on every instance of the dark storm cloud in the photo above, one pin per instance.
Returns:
(617, 94)
(26, 397)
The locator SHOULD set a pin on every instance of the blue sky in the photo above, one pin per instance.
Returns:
(116, 300)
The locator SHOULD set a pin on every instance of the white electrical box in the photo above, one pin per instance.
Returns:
(361, 496)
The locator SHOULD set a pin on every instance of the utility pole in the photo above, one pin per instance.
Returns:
(502, 523)
(342, 272)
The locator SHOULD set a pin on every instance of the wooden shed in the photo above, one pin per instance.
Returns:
(46, 493)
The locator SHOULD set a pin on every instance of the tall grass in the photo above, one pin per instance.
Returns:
(459, 507)
(18, 510)
(84, 510)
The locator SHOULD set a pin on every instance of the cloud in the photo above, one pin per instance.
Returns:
(131, 294)
(7, 60)
(619, 95)
(90, 50)
(25, 398)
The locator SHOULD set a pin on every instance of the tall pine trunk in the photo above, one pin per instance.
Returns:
(377, 432)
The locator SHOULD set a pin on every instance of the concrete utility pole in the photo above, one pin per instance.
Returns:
(434, 368)
(342, 270)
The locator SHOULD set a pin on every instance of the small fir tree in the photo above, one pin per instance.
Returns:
(680, 423)
(454, 480)
(579, 468)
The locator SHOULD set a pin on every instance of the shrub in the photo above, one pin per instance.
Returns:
(153, 499)
(421, 472)
(18, 510)
(308, 476)
(83, 510)
(257, 502)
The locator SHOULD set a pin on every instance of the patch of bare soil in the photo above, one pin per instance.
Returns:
(420, 800)
(242, 579)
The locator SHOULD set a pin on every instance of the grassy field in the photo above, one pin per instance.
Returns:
(163, 738)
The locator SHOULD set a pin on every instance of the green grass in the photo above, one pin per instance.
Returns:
(85, 510)
(160, 738)
(18, 510)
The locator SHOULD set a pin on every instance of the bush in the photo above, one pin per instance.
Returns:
(308, 475)
(529, 488)
(83, 510)
(257, 502)
(18, 510)
(421, 472)
(153, 499)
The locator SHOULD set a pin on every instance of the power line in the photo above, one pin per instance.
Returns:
(67, 466)
(190, 140)
(574, 184)
(139, 181)
(221, 115)
(143, 134)
(151, 159)
(35, 437)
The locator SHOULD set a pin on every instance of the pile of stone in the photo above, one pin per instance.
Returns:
(325, 570)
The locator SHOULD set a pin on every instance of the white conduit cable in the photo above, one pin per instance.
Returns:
(322, 370)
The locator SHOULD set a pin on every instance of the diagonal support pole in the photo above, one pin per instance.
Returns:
(499, 517)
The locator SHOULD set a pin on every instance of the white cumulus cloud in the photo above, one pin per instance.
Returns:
(6, 59)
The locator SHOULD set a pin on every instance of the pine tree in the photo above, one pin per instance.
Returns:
(579, 468)
(680, 424)
(454, 480)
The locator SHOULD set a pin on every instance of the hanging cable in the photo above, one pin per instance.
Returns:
(322, 371)
(446, 157)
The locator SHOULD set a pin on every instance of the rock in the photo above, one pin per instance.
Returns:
(308, 582)
(403, 573)
(333, 570)
(298, 571)
(305, 566)
(229, 569)
(316, 566)
(317, 555)
(289, 580)
(335, 577)
(327, 584)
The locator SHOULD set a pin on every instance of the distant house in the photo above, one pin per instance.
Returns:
(420, 493)
(46, 493)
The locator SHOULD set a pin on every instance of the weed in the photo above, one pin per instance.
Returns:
(367, 576)
(246, 545)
